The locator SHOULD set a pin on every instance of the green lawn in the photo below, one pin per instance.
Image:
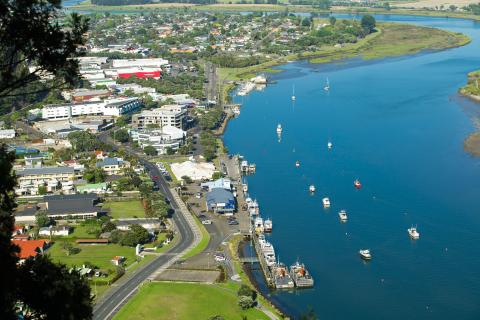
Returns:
(162, 300)
(125, 209)
(99, 255)
(202, 245)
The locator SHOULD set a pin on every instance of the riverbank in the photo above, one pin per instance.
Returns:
(391, 39)
(472, 90)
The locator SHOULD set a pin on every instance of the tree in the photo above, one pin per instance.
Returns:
(42, 219)
(309, 315)
(245, 302)
(150, 151)
(109, 226)
(121, 135)
(42, 190)
(368, 23)
(46, 290)
(94, 175)
(217, 175)
(8, 251)
(169, 151)
(53, 291)
(332, 20)
(187, 179)
(246, 291)
(30, 32)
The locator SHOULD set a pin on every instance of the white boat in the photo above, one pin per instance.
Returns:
(246, 88)
(343, 215)
(329, 145)
(293, 94)
(245, 187)
(413, 233)
(326, 202)
(327, 86)
(297, 164)
(282, 277)
(312, 188)
(300, 275)
(267, 225)
(365, 254)
(279, 128)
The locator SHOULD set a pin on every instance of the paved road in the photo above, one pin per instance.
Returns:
(124, 289)
(211, 77)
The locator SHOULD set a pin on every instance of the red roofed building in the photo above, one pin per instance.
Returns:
(139, 72)
(30, 248)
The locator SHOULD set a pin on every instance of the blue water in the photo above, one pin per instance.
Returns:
(398, 125)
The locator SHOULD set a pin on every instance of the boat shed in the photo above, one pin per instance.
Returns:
(220, 201)
(222, 183)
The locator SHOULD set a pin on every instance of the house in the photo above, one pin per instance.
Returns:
(220, 200)
(17, 230)
(161, 139)
(57, 207)
(30, 248)
(7, 134)
(113, 166)
(118, 260)
(223, 183)
(55, 231)
(100, 154)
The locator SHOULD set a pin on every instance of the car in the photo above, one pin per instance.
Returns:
(202, 216)
(219, 257)
(206, 222)
(232, 222)
(155, 177)
(198, 195)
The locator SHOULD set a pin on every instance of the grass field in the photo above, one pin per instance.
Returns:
(178, 301)
(98, 255)
(125, 209)
(202, 245)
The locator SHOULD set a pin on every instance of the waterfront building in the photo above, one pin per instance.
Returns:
(220, 200)
(161, 139)
(168, 115)
(222, 183)
(110, 107)
(130, 63)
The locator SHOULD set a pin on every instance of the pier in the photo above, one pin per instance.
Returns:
(265, 269)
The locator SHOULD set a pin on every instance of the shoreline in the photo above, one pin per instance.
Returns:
(253, 70)
(471, 90)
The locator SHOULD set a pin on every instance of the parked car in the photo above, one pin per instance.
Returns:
(198, 195)
(232, 222)
(219, 257)
(206, 222)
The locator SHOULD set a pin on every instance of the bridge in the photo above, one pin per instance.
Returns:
(249, 259)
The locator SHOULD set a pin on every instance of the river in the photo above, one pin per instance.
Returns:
(398, 125)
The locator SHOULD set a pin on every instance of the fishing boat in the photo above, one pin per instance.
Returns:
(258, 225)
(267, 225)
(282, 278)
(326, 202)
(329, 145)
(293, 94)
(413, 233)
(365, 254)
(312, 188)
(279, 128)
(245, 187)
(300, 275)
(297, 164)
(343, 215)
(327, 86)
(357, 184)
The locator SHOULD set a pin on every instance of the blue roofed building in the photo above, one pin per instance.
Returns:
(220, 200)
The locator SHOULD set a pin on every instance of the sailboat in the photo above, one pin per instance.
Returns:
(327, 86)
(329, 145)
(293, 94)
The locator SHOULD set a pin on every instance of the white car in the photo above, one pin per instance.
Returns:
(219, 257)
(206, 222)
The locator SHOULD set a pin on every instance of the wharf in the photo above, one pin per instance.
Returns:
(266, 270)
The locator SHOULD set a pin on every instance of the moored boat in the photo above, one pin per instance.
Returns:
(279, 128)
(311, 188)
(326, 202)
(267, 225)
(297, 164)
(329, 145)
(282, 278)
(343, 215)
(413, 233)
(258, 224)
(301, 276)
(365, 254)
(357, 184)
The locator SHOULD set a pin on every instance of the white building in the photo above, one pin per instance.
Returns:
(169, 115)
(55, 231)
(111, 107)
(161, 139)
(126, 63)
(7, 134)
